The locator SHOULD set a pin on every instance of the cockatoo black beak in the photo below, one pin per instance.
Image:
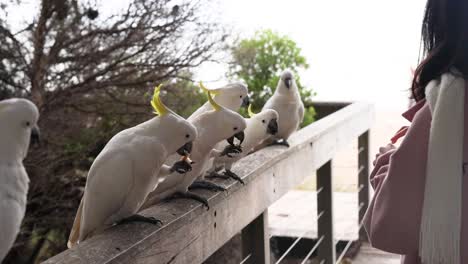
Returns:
(245, 102)
(186, 149)
(35, 136)
(240, 136)
(288, 82)
(272, 128)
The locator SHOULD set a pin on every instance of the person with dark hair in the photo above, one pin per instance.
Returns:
(420, 205)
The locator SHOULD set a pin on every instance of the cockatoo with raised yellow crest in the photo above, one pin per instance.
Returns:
(259, 127)
(18, 128)
(213, 126)
(128, 168)
(231, 96)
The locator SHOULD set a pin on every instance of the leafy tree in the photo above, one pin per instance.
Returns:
(260, 60)
(91, 75)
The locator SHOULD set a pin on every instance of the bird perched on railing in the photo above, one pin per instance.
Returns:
(213, 126)
(287, 102)
(259, 127)
(129, 168)
(232, 96)
(18, 128)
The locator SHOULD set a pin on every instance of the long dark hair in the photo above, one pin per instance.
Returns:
(445, 42)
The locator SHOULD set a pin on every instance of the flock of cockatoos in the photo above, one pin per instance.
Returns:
(163, 158)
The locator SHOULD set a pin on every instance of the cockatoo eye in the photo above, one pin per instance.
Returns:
(187, 136)
(240, 96)
(28, 124)
(263, 121)
(235, 128)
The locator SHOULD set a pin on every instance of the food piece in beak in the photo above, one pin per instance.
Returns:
(272, 128)
(187, 159)
(183, 166)
(186, 149)
(240, 136)
(185, 163)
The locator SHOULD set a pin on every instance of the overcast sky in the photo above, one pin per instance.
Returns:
(357, 50)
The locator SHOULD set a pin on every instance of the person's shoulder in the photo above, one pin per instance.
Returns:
(413, 110)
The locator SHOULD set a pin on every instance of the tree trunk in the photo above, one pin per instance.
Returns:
(38, 69)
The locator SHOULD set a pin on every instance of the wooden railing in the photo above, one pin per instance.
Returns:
(191, 234)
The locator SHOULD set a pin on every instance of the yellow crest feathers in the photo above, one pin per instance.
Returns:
(158, 106)
(215, 105)
(206, 90)
(249, 111)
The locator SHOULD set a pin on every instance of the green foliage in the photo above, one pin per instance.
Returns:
(259, 61)
(309, 116)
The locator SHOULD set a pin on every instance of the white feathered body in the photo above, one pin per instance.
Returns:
(255, 133)
(290, 110)
(123, 174)
(18, 119)
(120, 179)
(14, 183)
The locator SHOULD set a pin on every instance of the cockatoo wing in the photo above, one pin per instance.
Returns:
(10, 222)
(13, 191)
(300, 114)
(109, 183)
(75, 231)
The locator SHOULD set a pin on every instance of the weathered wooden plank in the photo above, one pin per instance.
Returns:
(256, 241)
(191, 233)
(363, 180)
(326, 250)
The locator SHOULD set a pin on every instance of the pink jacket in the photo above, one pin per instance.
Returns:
(393, 218)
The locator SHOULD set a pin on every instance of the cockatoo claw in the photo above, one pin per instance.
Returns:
(207, 185)
(140, 218)
(214, 174)
(193, 196)
(231, 149)
(234, 176)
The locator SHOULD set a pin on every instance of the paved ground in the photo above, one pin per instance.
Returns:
(295, 215)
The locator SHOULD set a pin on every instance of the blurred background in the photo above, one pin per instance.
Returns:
(91, 65)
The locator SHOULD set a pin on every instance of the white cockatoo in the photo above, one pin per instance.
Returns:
(129, 168)
(259, 127)
(18, 127)
(231, 96)
(287, 102)
(213, 126)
